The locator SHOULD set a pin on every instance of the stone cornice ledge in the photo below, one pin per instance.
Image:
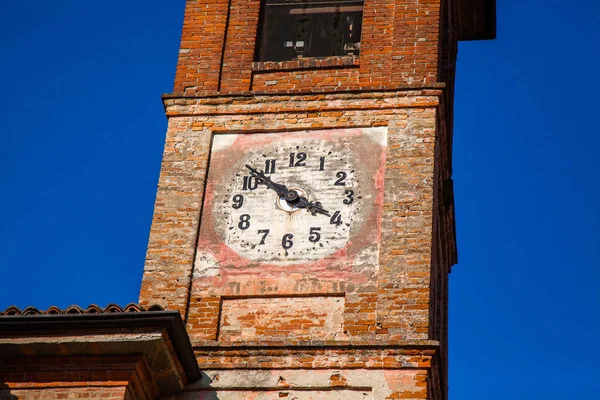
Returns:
(193, 106)
(192, 92)
(406, 354)
(319, 344)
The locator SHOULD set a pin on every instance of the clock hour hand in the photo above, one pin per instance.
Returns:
(314, 208)
(280, 189)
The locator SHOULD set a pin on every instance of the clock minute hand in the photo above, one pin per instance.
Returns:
(290, 195)
(280, 189)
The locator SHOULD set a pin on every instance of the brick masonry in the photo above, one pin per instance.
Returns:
(75, 377)
(280, 318)
(56, 393)
(305, 335)
(400, 46)
(394, 305)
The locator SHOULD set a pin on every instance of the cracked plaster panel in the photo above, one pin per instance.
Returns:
(339, 394)
(308, 385)
(342, 169)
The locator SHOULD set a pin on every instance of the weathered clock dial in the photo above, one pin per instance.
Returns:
(290, 198)
(311, 214)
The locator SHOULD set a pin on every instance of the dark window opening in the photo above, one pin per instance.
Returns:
(292, 29)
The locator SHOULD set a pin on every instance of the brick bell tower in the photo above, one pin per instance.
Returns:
(304, 220)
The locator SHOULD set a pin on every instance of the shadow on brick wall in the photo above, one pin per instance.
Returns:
(5, 393)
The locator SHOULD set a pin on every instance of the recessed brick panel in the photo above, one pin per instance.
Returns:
(282, 318)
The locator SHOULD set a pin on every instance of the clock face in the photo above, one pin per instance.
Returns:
(260, 224)
(291, 198)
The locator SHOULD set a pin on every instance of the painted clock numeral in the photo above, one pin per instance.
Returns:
(238, 201)
(265, 233)
(322, 164)
(250, 183)
(270, 166)
(341, 175)
(349, 197)
(314, 235)
(336, 219)
(286, 241)
(298, 159)
(244, 222)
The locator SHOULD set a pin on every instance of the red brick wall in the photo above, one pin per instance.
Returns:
(399, 47)
(58, 393)
(396, 304)
(239, 46)
(75, 377)
(202, 42)
(403, 81)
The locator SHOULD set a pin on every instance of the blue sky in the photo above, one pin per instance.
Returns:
(82, 137)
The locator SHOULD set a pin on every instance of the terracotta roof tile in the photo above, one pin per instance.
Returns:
(93, 309)
(112, 308)
(12, 311)
(31, 311)
(53, 310)
(74, 309)
(132, 307)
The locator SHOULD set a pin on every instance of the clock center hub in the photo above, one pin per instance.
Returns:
(288, 201)
(292, 196)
